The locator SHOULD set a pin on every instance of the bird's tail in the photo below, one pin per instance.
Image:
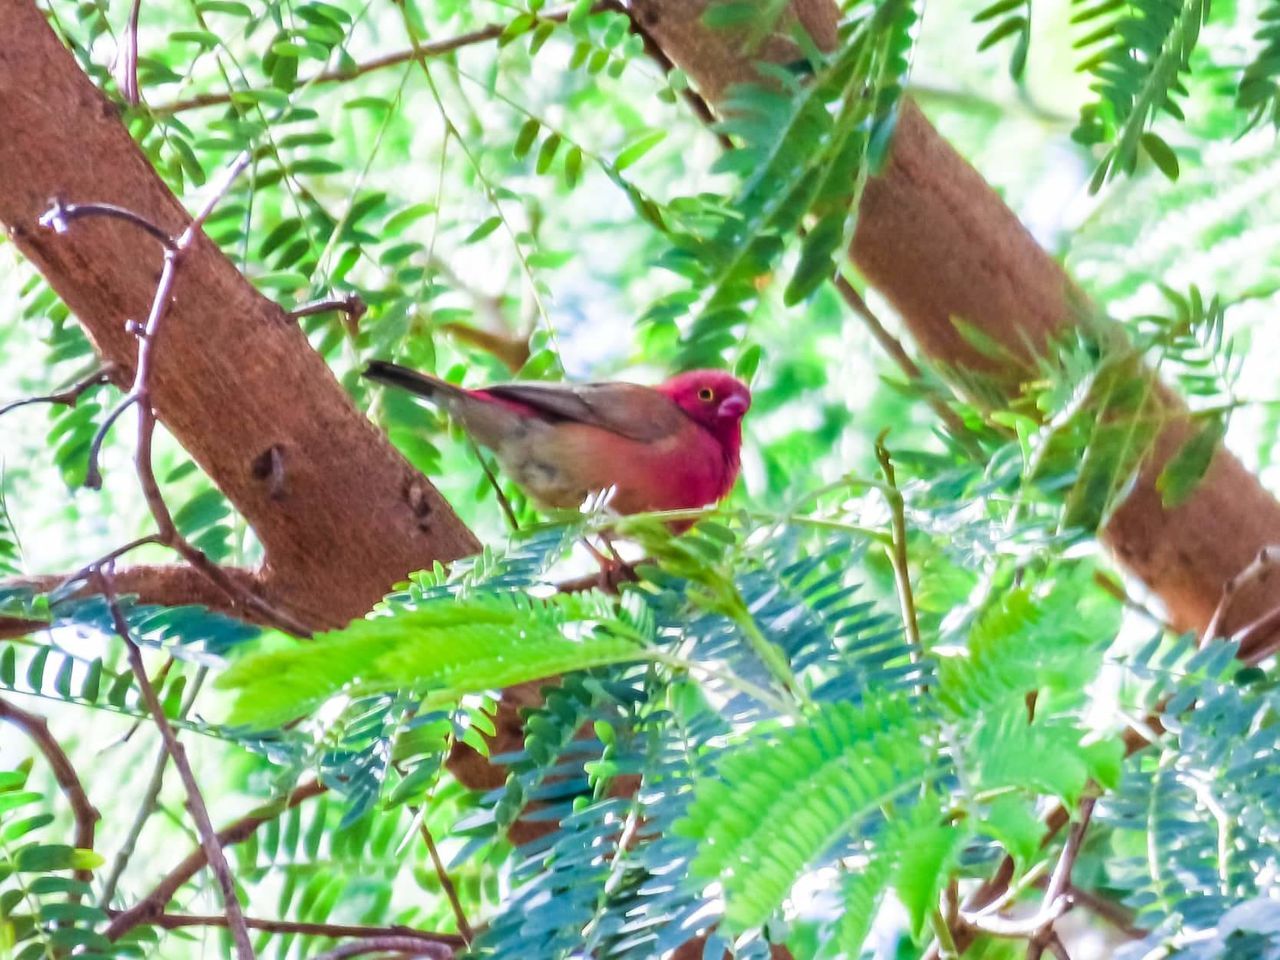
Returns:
(424, 385)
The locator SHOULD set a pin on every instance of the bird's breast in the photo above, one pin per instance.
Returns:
(560, 465)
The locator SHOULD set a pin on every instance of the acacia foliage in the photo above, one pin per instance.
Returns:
(766, 713)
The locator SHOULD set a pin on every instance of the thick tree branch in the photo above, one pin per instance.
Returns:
(84, 812)
(235, 377)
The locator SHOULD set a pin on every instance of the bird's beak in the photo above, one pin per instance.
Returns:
(734, 406)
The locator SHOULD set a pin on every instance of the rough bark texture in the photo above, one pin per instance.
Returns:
(233, 376)
(939, 243)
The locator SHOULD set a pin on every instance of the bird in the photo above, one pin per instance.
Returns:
(671, 447)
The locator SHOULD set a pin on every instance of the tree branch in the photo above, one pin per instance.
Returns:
(84, 812)
(68, 397)
(164, 585)
(355, 517)
(939, 244)
(409, 946)
(179, 921)
(150, 908)
(209, 841)
(424, 51)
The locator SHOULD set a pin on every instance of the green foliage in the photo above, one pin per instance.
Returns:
(1259, 90)
(802, 151)
(452, 647)
(495, 182)
(1192, 814)
(1139, 55)
(783, 798)
(41, 913)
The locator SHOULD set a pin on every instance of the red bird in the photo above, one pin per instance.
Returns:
(670, 447)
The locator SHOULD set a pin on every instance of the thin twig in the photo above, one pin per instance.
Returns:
(1053, 944)
(424, 51)
(84, 812)
(653, 50)
(446, 884)
(898, 549)
(408, 946)
(178, 921)
(68, 397)
(508, 512)
(59, 217)
(195, 800)
(1257, 568)
(352, 306)
(1057, 900)
(1117, 915)
(151, 907)
(150, 801)
(127, 67)
(898, 353)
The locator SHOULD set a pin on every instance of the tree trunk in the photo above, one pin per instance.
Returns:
(939, 244)
(234, 377)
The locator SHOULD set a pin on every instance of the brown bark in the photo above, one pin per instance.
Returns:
(163, 585)
(939, 244)
(233, 377)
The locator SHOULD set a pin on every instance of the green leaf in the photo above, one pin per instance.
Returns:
(528, 133)
(1183, 473)
(1161, 154)
(925, 864)
(547, 153)
(1010, 819)
(482, 231)
(638, 148)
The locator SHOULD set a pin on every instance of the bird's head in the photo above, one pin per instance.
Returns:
(714, 399)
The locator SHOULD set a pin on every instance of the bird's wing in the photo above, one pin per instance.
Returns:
(636, 412)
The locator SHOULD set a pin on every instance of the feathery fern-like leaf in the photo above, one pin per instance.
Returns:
(783, 798)
(448, 647)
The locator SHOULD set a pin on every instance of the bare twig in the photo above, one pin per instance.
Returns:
(84, 812)
(59, 217)
(1119, 916)
(424, 51)
(898, 551)
(1053, 943)
(351, 306)
(148, 910)
(150, 801)
(408, 946)
(195, 800)
(1038, 928)
(898, 353)
(653, 50)
(178, 921)
(1259, 566)
(69, 396)
(446, 884)
(127, 62)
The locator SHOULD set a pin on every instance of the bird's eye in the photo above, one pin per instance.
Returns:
(706, 394)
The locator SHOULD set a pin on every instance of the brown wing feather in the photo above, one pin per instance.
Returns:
(628, 409)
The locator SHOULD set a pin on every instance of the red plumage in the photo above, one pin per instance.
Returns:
(671, 447)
